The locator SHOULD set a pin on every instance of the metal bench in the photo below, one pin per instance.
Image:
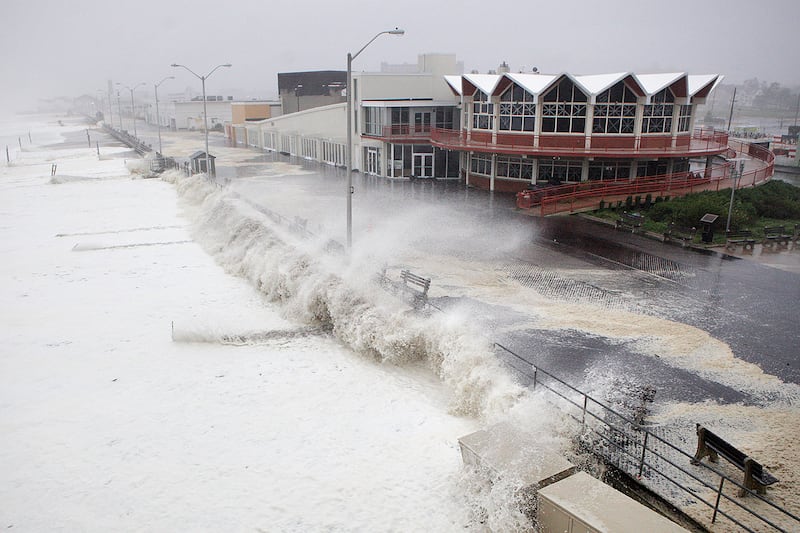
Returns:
(743, 238)
(756, 477)
(685, 235)
(417, 287)
(630, 221)
(776, 235)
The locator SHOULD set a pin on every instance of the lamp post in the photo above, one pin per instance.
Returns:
(133, 108)
(350, 58)
(119, 108)
(158, 116)
(205, 114)
(297, 95)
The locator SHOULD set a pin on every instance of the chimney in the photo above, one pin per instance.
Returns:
(503, 68)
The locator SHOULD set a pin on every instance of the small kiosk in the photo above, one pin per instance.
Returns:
(198, 163)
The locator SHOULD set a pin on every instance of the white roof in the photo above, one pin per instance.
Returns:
(698, 82)
(592, 84)
(533, 83)
(454, 82)
(485, 82)
(597, 83)
(652, 83)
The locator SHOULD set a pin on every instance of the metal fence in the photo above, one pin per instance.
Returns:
(648, 456)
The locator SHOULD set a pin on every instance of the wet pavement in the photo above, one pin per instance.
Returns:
(749, 305)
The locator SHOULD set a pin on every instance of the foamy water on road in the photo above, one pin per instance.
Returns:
(176, 360)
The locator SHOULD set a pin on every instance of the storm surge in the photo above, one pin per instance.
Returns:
(340, 297)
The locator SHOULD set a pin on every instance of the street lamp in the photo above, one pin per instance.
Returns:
(158, 117)
(205, 114)
(350, 58)
(119, 108)
(133, 108)
(297, 95)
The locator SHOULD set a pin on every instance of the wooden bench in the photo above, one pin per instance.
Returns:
(776, 235)
(685, 235)
(712, 446)
(743, 238)
(417, 287)
(630, 221)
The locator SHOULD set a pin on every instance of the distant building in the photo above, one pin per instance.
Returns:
(189, 115)
(244, 112)
(306, 90)
(504, 131)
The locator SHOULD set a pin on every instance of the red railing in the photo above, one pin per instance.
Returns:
(403, 132)
(701, 142)
(588, 195)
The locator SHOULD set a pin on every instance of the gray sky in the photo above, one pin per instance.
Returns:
(57, 47)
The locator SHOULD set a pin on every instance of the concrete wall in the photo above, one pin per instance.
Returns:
(241, 112)
(189, 115)
(377, 86)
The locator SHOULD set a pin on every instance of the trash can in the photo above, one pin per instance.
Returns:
(708, 220)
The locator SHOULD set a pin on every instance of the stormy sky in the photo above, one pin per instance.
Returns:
(53, 47)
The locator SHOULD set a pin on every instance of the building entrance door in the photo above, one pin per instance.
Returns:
(422, 121)
(423, 166)
(373, 161)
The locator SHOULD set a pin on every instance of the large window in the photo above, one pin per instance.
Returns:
(399, 116)
(558, 170)
(517, 109)
(564, 109)
(373, 121)
(514, 167)
(685, 118)
(615, 110)
(481, 164)
(609, 170)
(482, 112)
(658, 114)
(444, 117)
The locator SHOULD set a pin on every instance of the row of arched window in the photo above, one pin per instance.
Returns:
(563, 110)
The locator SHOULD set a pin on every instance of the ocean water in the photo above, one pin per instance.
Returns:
(174, 359)
(170, 362)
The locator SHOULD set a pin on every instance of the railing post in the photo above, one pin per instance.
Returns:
(644, 449)
(716, 505)
(535, 375)
(583, 416)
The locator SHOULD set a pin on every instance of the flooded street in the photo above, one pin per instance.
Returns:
(440, 228)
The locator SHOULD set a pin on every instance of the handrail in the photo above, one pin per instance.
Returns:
(714, 178)
(701, 141)
(641, 458)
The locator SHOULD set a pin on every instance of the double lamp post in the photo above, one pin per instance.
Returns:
(350, 95)
(205, 113)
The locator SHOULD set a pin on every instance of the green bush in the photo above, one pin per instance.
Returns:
(776, 199)
(688, 211)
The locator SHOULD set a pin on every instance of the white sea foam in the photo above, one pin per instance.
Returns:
(328, 293)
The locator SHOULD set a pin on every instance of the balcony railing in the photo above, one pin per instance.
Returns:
(701, 142)
(587, 195)
(403, 132)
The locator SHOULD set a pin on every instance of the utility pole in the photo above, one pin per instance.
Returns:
(730, 117)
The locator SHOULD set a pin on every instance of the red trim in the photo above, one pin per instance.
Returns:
(577, 141)
(481, 136)
(614, 142)
(701, 143)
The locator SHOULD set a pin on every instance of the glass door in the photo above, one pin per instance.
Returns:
(423, 166)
